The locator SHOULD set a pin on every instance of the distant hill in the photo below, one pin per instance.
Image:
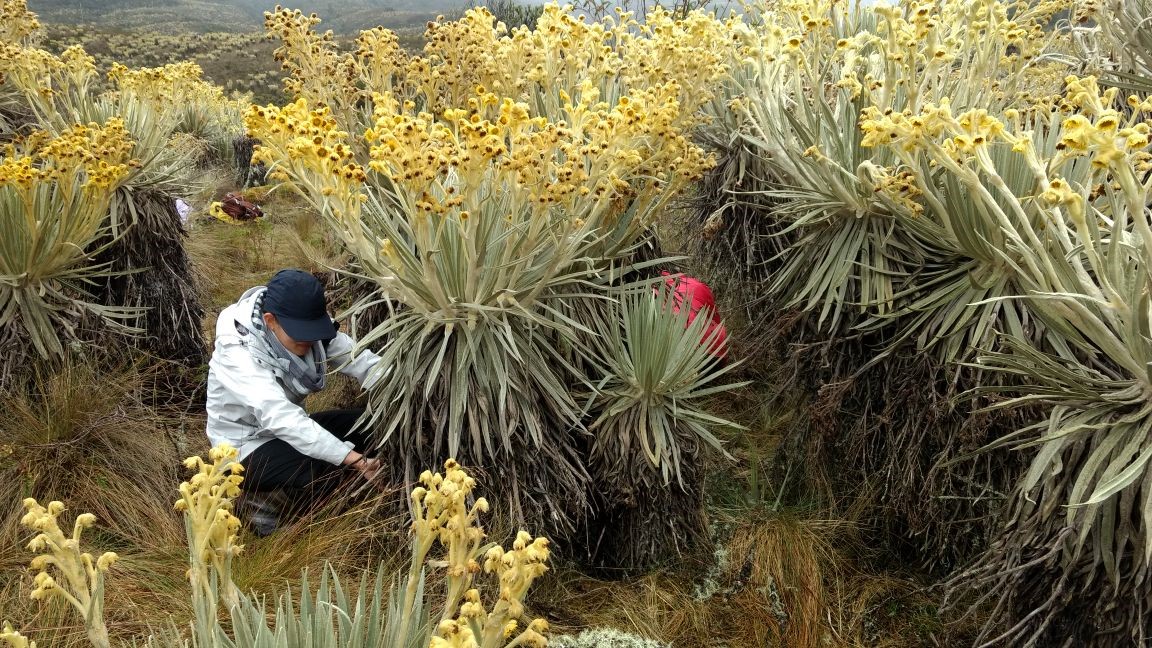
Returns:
(342, 16)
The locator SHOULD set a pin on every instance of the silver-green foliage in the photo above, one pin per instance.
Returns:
(331, 616)
(656, 372)
(48, 269)
(1125, 43)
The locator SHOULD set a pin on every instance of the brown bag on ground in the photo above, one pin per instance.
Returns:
(240, 209)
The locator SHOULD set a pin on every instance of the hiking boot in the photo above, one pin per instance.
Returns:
(261, 511)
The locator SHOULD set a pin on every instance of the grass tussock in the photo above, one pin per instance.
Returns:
(789, 562)
(91, 438)
(780, 580)
(350, 537)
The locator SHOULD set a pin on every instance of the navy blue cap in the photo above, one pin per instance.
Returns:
(297, 300)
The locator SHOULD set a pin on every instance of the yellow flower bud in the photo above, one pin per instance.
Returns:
(105, 562)
(510, 629)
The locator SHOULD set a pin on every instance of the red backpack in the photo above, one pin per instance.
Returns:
(699, 297)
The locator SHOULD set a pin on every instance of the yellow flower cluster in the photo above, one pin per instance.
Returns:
(1098, 130)
(206, 501)
(13, 638)
(928, 34)
(517, 569)
(418, 151)
(457, 634)
(317, 71)
(62, 553)
(642, 129)
(490, 158)
(959, 144)
(306, 146)
(941, 134)
(477, 627)
(167, 87)
(17, 23)
(563, 52)
(984, 53)
(904, 128)
(1115, 143)
(79, 576)
(895, 186)
(103, 152)
(695, 52)
(441, 512)
(598, 150)
(456, 56)
(380, 59)
(309, 136)
(1104, 140)
(92, 158)
(41, 75)
(18, 172)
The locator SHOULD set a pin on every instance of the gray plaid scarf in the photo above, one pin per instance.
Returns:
(300, 376)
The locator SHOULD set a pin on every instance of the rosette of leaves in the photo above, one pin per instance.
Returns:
(1077, 545)
(836, 202)
(654, 375)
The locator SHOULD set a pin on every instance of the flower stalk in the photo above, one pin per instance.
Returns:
(64, 571)
(206, 501)
(441, 513)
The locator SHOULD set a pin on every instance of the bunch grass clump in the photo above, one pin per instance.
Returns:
(69, 434)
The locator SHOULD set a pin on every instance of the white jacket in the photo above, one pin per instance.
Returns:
(249, 406)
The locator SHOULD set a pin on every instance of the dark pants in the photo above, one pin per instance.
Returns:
(277, 466)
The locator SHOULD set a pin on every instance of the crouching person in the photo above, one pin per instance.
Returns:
(273, 348)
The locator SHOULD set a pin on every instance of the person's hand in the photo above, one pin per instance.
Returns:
(367, 467)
